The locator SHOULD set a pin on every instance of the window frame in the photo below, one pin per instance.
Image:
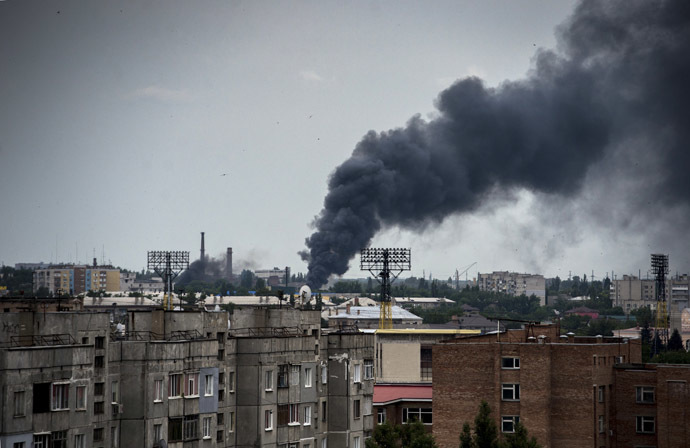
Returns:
(368, 369)
(380, 416)
(268, 381)
(191, 384)
(642, 394)
(283, 375)
(324, 375)
(307, 415)
(206, 428)
(643, 420)
(357, 374)
(80, 403)
(208, 385)
(510, 363)
(158, 391)
(61, 402)
(294, 414)
(508, 423)
(19, 403)
(268, 420)
(175, 385)
(356, 409)
(423, 415)
(307, 377)
(512, 389)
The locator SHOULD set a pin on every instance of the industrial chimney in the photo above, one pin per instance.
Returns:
(203, 252)
(228, 264)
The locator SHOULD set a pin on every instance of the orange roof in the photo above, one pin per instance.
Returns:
(390, 393)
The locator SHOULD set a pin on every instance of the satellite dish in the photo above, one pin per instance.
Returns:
(305, 293)
(162, 443)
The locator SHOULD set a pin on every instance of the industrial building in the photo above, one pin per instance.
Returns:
(514, 284)
(256, 377)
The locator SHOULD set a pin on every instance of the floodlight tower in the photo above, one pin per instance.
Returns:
(168, 264)
(385, 265)
(660, 269)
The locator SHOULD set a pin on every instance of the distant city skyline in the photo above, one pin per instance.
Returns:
(134, 126)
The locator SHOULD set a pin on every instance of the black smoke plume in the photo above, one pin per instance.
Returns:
(616, 88)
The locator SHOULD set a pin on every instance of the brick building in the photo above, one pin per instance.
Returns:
(559, 387)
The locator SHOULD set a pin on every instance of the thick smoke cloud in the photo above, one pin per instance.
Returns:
(615, 89)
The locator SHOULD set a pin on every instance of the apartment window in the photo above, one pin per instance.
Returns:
(98, 434)
(20, 444)
(158, 391)
(420, 414)
(221, 379)
(307, 415)
(99, 362)
(510, 392)
(220, 419)
(369, 369)
(231, 422)
(323, 411)
(268, 380)
(356, 443)
(157, 432)
(358, 373)
(19, 403)
(425, 362)
(41, 398)
(307, 377)
(283, 375)
(644, 424)
(601, 424)
(221, 395)
(509, 362)
(324, 442)
(381, 416)
(324, 375)
(231, 381)
(60, 396)
(191, 384)
(174, 385)
(294, 375)
(99, 342)
(283, 414)
(190, 427)
(219, 436)
(294, 414)
(208, 389)
(81, 397)
(508, 422)
(268, 420)
(98, 389)
(175, 430)
(115, 392)
(644, 394)
(79, 441)
(41, 441)
(98, 407)
(113, 437)
(356, 409)
(206, 427)
(59, 439)
(601, 393)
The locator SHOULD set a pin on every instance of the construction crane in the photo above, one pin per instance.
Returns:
(660, 269)
(458, 274)
(385, 265)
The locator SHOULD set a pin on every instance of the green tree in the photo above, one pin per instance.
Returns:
(520, 439)
(485, 429)
(675, 342)
(384, 436)
(466, 436)
(409, 435)
(247, 278)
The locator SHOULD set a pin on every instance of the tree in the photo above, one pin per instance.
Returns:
(675, 342)
(247, 278)
(520, 439)
(410, 435)
(485, 429)
(466, 436)
(486, 433)
(384, 436)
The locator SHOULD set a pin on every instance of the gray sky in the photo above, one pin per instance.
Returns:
(132, 126)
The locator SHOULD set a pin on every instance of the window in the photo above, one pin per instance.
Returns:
(98, 434)
(644, 394)
(157, 432)
(174, 385)
(19, 403)
(221, 395)
(283, 414)
(175, 430)
(510, 362)
(158, 391)
(59, 439)
(99, 362)
(231, 422)
(307, 415)
(22, 444)
(268, 420)
(206, 427)
(324, 442)
(220, 419)
(231, 381)
(191, 384)
(644, 424)
(79, 441)
(41, 441)
(115, 392)
(294, 375)
(208, 389)
(294, 414)
(113, 437)
(81, 397)
(268, 380)
(41, 398)
(356, 409)
(601, 393)
(307, 377)
(323, 411)
(60, 395)
(420, 414)
(221, 379)
(324, 375)
(508, 423)
(356, 443)
(190, 426)
(510, 392)
(381, 416)
(283, 375)
(98, 389)
(358, 373)
(98, 407)
(368, 369)
(425, 362)
(219, 436)
(99, 342)
(601, 424)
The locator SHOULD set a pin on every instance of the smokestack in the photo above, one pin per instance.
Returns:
(203, 251)
(614, 94)
(228, 264)
(95, 262)
(287, 276)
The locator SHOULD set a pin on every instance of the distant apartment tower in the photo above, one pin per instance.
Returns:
(273, 277)
(632, 292)
(76, 279)
(514, 284)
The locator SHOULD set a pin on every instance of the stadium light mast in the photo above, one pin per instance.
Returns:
(660, 269)
(385, 265)
(168, 264)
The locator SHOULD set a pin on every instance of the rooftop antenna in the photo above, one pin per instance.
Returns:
(385, 265)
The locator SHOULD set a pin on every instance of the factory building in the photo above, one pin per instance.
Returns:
(514, 284)
(257, 377)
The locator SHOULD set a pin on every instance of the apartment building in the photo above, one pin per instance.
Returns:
(514, 283)
(257, 377)
(632, 292)
(76, 279)
(559, 387)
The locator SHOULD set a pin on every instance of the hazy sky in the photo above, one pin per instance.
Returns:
(133, 126)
